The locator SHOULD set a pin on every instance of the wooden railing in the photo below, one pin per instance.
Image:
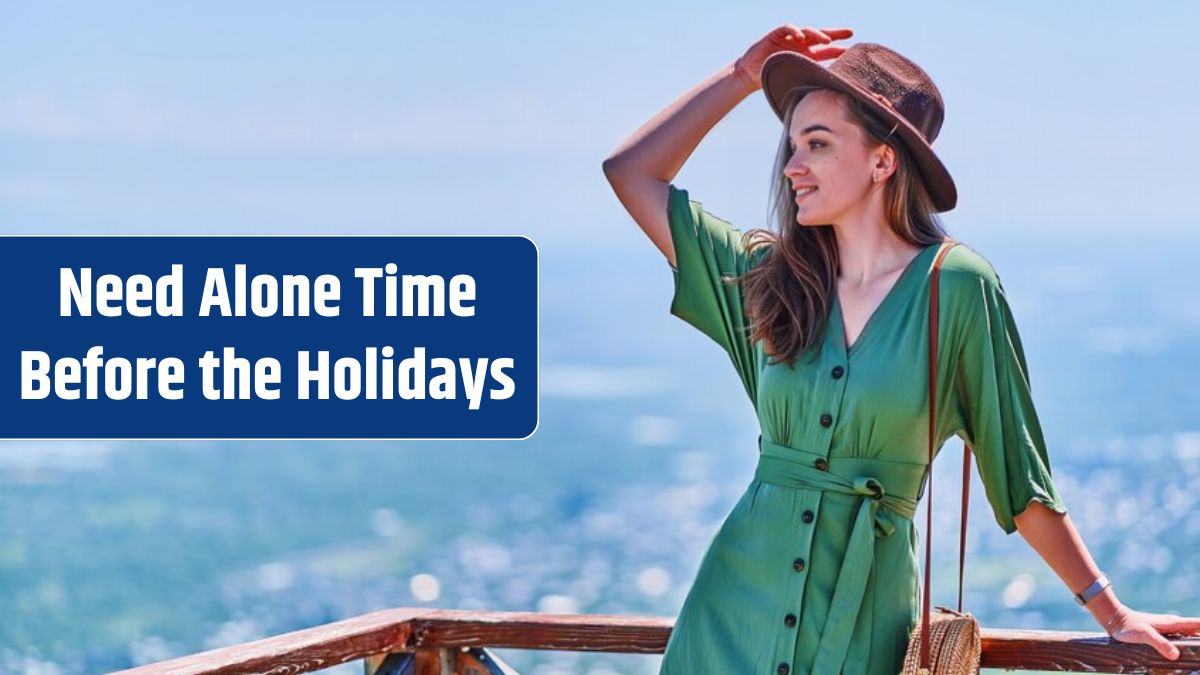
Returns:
(452, 642)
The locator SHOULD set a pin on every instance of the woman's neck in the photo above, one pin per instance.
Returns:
(868, 251)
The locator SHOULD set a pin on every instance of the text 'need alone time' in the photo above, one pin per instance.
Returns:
(264, 295)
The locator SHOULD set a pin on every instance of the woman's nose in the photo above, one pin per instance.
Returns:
(795, 167)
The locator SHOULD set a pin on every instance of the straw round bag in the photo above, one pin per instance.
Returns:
(953, 647)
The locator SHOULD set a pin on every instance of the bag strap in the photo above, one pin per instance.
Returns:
(966, 480)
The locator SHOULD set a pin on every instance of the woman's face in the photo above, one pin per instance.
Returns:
(830, 169)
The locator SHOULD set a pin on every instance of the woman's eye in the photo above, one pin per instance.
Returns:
(812, 145)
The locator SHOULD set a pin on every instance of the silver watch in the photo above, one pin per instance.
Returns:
(1096, 588)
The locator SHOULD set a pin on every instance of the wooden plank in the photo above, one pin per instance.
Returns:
(300, 651)
(531, 630)
(1084, 652)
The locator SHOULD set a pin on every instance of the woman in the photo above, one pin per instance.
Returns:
(826, 323)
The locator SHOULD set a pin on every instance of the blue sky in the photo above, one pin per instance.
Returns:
(1066, 118)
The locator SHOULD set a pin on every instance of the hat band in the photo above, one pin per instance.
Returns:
(885, 102)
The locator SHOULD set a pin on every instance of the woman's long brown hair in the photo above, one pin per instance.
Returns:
(788, 295)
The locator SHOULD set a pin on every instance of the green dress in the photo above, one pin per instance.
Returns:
(815, 570)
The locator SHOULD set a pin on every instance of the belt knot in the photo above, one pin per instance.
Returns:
(870, 486)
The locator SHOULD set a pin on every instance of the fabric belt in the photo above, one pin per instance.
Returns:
(887, 489)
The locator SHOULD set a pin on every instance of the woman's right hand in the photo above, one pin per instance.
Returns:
(641, 168)
(811, 42)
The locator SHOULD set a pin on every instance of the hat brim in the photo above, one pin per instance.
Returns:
(783, 72)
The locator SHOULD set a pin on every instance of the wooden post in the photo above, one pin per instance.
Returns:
(434, 661)
(452, 661)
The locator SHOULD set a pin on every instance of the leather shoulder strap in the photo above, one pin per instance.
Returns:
(933, 381)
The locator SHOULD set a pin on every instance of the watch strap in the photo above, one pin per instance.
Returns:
(1095, 588)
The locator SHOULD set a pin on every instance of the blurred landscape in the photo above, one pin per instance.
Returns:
(117, 554)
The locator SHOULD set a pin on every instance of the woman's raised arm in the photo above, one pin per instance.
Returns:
(642, 166)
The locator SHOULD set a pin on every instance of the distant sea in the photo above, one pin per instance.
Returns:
(118, 554)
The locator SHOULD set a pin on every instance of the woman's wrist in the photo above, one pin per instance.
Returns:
(744, 79)
(1104, 607)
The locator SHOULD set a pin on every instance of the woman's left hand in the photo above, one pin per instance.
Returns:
(1130, 625)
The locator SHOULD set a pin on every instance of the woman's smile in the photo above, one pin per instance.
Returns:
(804, 193)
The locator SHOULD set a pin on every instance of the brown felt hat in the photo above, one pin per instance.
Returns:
(895, 88)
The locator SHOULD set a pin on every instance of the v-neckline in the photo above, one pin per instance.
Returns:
(884, 307)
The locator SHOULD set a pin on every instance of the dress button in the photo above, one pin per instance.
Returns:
(820, 463)
(782, 669)
(807, 516)
(837, 372)
(789, 620)
(826, 419)
(798, 564)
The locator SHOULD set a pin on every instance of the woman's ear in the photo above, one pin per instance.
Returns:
(885, 161)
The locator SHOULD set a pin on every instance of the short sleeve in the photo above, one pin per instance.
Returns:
(995, 404)
(708, 250)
